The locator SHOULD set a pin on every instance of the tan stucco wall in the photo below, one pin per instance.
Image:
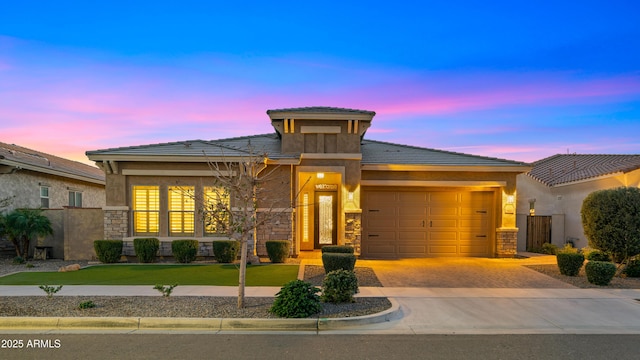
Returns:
(566, 200)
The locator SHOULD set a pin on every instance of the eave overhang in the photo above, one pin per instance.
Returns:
(45, 170)
(443, 168)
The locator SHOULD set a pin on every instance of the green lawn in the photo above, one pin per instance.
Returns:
(217, 274)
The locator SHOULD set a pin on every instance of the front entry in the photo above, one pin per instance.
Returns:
(325, 219)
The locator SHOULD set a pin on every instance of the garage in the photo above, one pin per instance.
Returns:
(426, 223)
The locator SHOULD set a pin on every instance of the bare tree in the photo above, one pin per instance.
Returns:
(247, 194)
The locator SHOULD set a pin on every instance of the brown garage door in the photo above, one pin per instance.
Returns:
(426, 223)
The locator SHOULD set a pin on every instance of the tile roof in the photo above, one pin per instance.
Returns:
(379, 152)
(566, 168)
(322, 110)
(18, 156)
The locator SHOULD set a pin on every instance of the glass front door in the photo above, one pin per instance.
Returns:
(326, 210)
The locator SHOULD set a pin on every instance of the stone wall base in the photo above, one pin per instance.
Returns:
(506, 242)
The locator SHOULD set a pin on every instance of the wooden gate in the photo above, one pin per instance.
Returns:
(538, 231)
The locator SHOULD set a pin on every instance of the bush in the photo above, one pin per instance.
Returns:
(146, 249)
(633, 268)
(338, 261)
(226, 251)
(549, 249)
(611, 221)
(184, 251)
(89, 304)
(108, 251)
(339, 286)
(600, 272)
(296, 299)
(597, 255)
(18, 260)
(278, 250)
(344, 249)
(569, 263)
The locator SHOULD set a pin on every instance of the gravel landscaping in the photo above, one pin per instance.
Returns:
(580, 281)
(174, 306)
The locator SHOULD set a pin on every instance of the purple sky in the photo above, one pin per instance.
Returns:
(521, 82)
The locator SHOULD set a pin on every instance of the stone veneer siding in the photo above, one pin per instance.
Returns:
(353, 230)
(506, 242)
(279, 227)
(115, 223)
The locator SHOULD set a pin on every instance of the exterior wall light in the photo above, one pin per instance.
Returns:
(320, 175)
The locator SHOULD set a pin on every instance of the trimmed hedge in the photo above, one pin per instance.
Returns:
(600, 272)
(278, 250)
(108, 251)
(226, 251)
(633, 268)
(569, 263)
(343, 249)
(184, 251)
(296, 299)
(597, 255)
(146, 249)
(338, 261)
(339, 286)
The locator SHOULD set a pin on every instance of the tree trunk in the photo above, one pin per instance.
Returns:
(243, 272)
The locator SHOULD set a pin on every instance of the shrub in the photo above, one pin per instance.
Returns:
(611, 221)
(597, 255)
(569, 263)
(278, 250)
(600, 272)
(18, 260)
(50, 290)
(633, 268)
(339, 286)
(338, 261)
(296, 299)
(165, 290)
(108, 251)
(549, 249)
(86, 305)
(184, 251)
(146, 249)
(344, 249)
(226, 251)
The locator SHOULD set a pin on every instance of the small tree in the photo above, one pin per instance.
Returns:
(21, 225)
(611, 221)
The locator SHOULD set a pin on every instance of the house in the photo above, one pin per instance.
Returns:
(336, 187)
(550, 195)
(33, 179)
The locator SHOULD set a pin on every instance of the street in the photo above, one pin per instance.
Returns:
(298, 346)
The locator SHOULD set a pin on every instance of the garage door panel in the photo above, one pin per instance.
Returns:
(426, 223)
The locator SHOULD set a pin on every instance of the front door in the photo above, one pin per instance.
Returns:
(325, 219)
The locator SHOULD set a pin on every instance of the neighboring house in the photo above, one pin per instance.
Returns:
(550, 195)
(33, 179)
(387, 200)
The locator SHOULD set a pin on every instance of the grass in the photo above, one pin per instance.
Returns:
(213, 275)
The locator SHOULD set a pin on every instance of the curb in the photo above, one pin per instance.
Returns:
(195, 324)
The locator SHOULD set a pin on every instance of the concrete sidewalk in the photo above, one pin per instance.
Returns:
(415, 311)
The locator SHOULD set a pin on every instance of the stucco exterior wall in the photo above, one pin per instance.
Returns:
(566, 200)
(24, 187)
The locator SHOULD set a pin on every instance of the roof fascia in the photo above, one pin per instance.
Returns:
(44, 170)
(319, 116)
(468, 168)
(164, 158)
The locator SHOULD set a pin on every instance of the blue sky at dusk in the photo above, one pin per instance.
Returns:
(500, 78)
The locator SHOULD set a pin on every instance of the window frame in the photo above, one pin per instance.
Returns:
(45, 197)
(181, 209)
(149, 214)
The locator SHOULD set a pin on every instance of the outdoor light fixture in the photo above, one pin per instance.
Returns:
(510, 199)
(320, 175)
(350, 196)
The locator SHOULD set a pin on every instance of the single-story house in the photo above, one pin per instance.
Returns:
(550, 195)
(337, 187)
(33, 179)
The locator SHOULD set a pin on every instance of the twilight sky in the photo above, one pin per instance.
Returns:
(508, 79)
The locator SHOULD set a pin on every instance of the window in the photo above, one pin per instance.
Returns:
(75, 199)
(44, 197)
(216, 204)
(146, 210)
(181, 210)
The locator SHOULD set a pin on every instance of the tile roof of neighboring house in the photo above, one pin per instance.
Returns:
(379, 152)
(566, 168)
(322, 110)
(21, 157)
(373, 152)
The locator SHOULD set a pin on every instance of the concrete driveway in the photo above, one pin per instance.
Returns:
(464, 273)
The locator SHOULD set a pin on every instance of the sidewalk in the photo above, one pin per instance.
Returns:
(536, 304)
